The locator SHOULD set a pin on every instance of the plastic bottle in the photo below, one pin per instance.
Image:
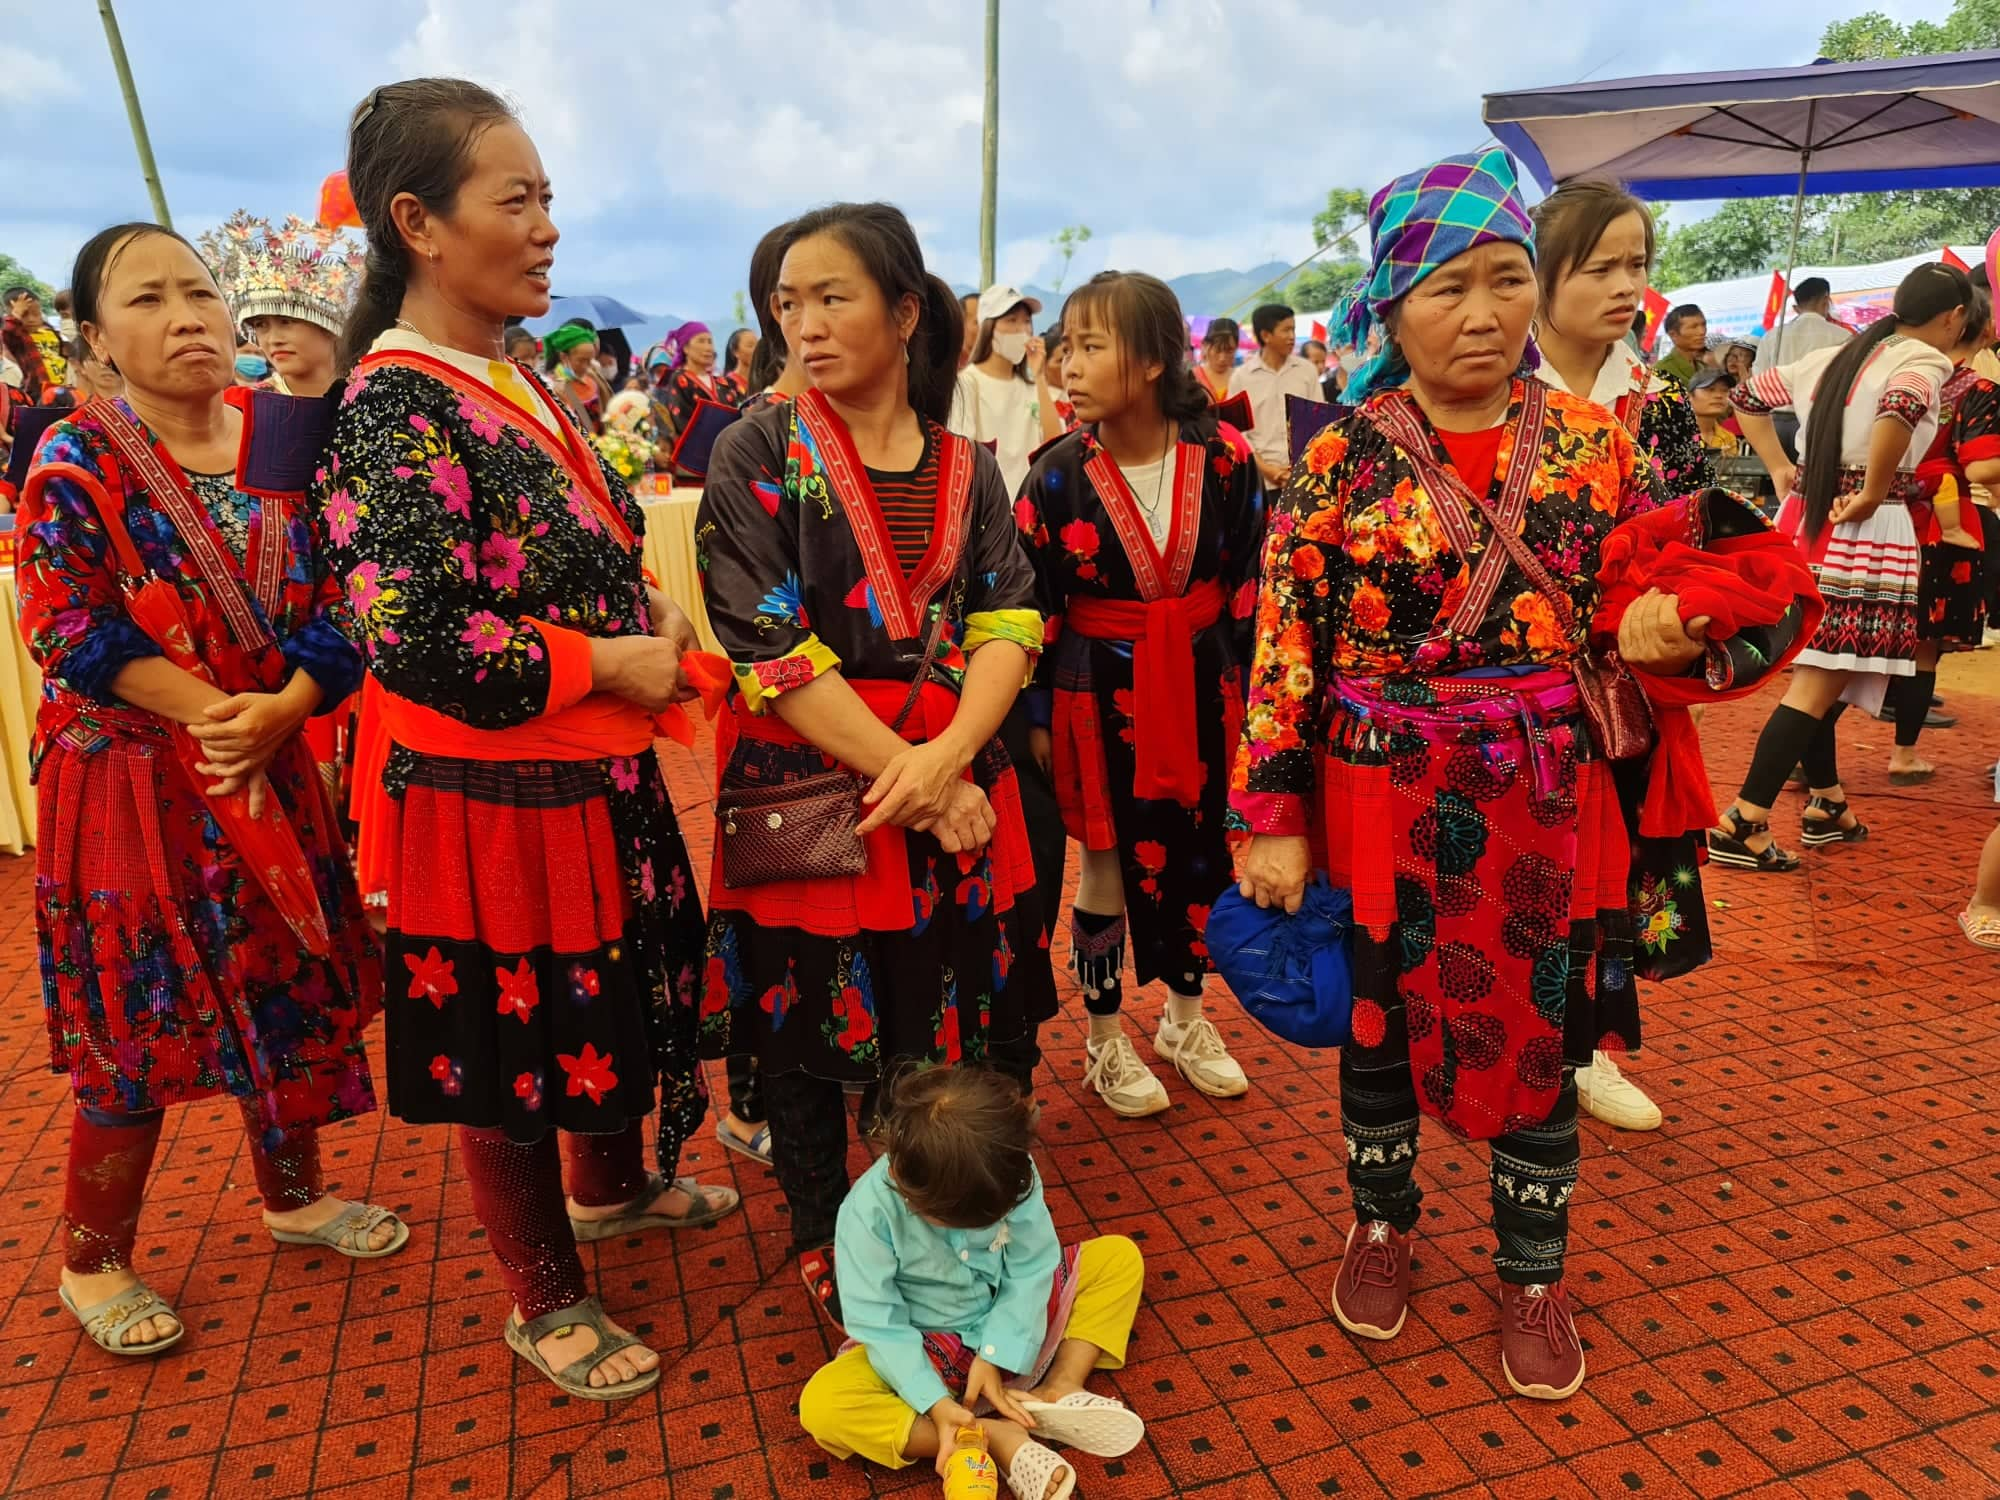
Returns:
(970, 1473)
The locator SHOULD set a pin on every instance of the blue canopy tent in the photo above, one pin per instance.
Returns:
(1893, 123)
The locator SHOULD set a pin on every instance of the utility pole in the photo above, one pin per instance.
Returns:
(990, 147)
(133, 113)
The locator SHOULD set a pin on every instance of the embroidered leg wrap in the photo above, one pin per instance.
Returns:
(1378, 1116)
(110, 1158)
(287, 1165)
(517, 1196)
(1097, 955)
(1533, 1173)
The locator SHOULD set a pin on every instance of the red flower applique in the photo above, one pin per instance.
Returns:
(431, 977)
(528, 1089)
(1081, 541)
(589, 1073)
(947, 1036)
(850, 1007)
(519, 992)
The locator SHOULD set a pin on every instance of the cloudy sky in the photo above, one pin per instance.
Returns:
(1189, 134)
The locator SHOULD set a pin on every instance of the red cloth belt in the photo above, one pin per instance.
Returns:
(1162, 637)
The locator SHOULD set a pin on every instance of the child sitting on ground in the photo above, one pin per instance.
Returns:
(959, 1299)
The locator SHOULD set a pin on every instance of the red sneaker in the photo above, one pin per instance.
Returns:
(1540, 1353)
(1371, 1292)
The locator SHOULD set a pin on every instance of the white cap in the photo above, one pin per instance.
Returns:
(1000, 299)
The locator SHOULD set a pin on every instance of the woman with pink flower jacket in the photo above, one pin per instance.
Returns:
(544, 928)
(1145, 526)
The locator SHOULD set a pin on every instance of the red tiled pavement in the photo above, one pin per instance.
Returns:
(1789, 1290)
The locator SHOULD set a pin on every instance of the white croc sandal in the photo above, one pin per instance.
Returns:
(1096, 1425)
(1034, 1468)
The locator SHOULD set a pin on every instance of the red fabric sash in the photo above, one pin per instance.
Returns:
(1162, 637)
(1737, 582)
(601, 726)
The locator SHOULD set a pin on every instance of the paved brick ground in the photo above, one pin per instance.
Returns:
(1789, 1290)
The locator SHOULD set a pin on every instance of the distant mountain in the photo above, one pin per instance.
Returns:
(1202, 294)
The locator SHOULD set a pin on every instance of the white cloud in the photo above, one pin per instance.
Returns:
(35, 79)
(1189, 134)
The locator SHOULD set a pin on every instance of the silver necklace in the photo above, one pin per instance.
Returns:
(1152, 509)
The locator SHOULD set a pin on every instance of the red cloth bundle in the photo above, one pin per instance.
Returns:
(1739, 582)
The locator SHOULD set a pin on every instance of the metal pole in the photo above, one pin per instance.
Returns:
(133, 113)
(1798, 221)
(990, 146)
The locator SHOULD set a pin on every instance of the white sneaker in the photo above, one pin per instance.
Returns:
(1196, 1048)
(1613, 1098)
(1122, 1081)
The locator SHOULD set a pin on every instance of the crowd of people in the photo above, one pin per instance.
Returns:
(981, 593)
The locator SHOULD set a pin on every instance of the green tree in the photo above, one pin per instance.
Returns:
(1321, 284)
(1067, 241)
(13, 273)
(740, 305)
(1338, 229)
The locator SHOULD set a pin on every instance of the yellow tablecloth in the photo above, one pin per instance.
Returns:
(20, 692)
(669, 555)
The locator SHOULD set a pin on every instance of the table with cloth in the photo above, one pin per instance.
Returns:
(20, 692)
(669, 555)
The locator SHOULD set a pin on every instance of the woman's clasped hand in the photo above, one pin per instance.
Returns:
(925, 788)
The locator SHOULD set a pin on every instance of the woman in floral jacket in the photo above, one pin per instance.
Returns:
(544, 929)
(1415, 711)
(198, 925)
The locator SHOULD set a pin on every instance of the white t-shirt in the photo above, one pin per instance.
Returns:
(1002, 412)
(1152, 486)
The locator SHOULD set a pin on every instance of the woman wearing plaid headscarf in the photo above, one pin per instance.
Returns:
(1426, 680)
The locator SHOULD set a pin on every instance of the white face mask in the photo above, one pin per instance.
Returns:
(1012, 347)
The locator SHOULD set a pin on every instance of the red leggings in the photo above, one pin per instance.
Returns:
(517, 1194)
(111, 1157)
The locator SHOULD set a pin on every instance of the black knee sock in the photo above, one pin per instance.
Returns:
(1913, 706)
(1821, 756)
(1097, 954)
(1779, 748)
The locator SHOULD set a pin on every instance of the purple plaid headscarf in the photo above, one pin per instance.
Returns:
(1420, 221)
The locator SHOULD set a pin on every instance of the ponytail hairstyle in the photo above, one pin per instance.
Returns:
(768, 363)
(885, 244)
(414, 137)
(1930, 290)
(1143, 317)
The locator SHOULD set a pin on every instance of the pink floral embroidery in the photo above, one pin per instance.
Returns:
(584, 512)
(486, 633)
(500, 561)
(342, 516)
(449, 480)
(466, 567)
(480, 420)
(364, 590)
(625, 774)
(419, 421)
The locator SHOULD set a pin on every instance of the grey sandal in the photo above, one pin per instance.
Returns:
(634, 1217)
(574, 1378)
(347, 1232)
(107, 1323)
(757, 1147)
